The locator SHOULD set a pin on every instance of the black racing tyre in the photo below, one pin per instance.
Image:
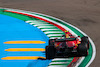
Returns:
(51, 41)
(50, 52)
(84, 39)
(82, 50)
(46, 52)
(88, 46)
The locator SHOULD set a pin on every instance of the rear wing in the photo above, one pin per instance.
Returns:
(63, 40)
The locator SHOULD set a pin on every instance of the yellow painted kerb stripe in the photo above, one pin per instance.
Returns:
(22, 58)
(24, 42)
(25, 49)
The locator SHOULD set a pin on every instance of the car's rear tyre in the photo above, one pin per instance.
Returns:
(82, 50)
(85, 41)
(50, 51)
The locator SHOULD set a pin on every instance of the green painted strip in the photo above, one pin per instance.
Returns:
(21, 17)
(2, 10)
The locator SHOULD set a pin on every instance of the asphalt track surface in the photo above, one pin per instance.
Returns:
(84, 14)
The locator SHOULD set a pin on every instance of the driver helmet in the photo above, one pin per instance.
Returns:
(66, 34)
(66, 31)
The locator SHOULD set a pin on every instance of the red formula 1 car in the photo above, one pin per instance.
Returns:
(67, 47)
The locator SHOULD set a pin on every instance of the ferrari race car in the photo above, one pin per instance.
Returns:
(67, 47)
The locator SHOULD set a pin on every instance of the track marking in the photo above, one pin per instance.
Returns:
(56, 59)
(58, 63)
(46, 26)
(49, 29)
(53, 32)
(25, 49)
(54, 35)
(24, 42)
(21, 58)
